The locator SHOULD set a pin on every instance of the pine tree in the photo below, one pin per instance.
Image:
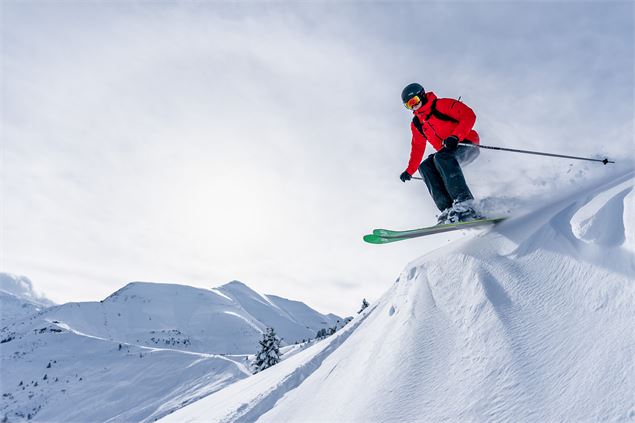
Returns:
(364, 305)
(269, 353)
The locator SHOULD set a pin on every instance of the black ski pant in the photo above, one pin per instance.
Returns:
(443, 175)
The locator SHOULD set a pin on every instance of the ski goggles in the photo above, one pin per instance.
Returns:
(410, 104)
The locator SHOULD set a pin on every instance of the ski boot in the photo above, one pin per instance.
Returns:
(462, 211)
(442, 218)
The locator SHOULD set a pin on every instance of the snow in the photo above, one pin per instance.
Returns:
(22, 287)
(139, 354)
(90, 379)
(531, 320)
(221, 321)
(18, 298)
(600, 220)
(244, 402)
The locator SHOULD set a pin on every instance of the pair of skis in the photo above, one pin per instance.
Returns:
(385, 236)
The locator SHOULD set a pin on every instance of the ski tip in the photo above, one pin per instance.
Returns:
(375, 239)
(372, 238)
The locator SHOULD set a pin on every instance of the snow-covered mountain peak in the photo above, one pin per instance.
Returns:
(176, 342)
(167, 294)
(241, 290)
(236, 285)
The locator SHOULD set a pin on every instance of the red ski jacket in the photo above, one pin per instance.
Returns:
(449, 117)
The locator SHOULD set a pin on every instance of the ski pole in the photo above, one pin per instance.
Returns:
(605, 161)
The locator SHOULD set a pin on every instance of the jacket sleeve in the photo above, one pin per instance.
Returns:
(460, 112)
(417, 149)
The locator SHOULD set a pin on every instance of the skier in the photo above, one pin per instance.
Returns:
(446, 124)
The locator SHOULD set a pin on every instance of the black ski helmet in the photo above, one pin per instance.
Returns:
(412, 90)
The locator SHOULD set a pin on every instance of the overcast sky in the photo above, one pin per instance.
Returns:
(199, 143)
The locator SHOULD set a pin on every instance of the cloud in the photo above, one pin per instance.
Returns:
(22, 287)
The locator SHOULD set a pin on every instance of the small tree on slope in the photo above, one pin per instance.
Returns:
(269, 353)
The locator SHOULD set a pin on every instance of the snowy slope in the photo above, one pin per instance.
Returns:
(22, 287)
(293, 320)
(301, 312)
(529, 321)
(15, 308)
(140, 353)
(226, 320)
(57, 375)
(18, 299)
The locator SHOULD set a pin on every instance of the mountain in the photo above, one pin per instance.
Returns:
(142, 352)
(293, 320)
(226, 320)
(18, 298)
(531, 320)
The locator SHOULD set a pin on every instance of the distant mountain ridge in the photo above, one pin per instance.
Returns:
(176, 342)
(207, 320)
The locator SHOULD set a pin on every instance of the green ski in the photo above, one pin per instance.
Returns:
(384, 236)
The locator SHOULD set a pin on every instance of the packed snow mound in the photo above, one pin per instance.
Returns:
(604, 220)
(531, 320)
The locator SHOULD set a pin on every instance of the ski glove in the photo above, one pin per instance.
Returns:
(405, 176)
(451, 143)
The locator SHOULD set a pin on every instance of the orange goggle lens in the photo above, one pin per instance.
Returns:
(412, 102)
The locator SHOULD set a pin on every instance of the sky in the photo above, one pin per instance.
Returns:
(199, 143)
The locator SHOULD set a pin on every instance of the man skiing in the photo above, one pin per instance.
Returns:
(446, 124)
